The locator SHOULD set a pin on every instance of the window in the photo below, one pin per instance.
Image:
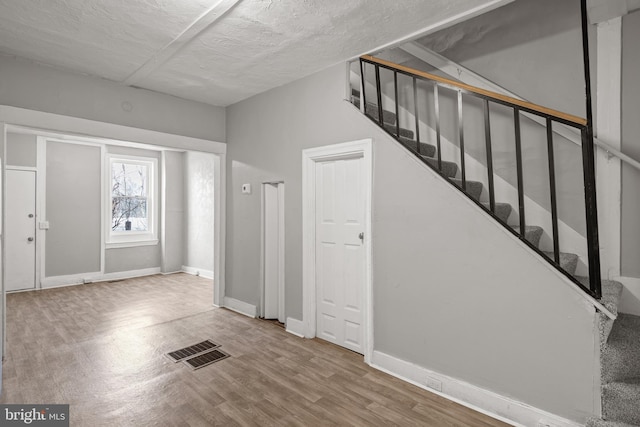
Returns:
(132, 201)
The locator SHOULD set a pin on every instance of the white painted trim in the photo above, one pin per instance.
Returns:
(91, 277)
(195, 271)
(3, 139)
(117, 239)
(281, 250)
(219, 238)
(262, 284)
(241, 307)
(609, 130)
(448, 22)
(22, 168)
(162, 227)
(479, 399)
(310, 156)
(41, 208)
(68, 127)
(295, 327)
(630, 299)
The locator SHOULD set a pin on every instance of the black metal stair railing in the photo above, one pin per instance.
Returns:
(518, 107)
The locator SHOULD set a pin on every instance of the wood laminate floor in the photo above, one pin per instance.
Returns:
(101, 348)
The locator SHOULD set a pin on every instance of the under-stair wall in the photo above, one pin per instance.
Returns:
(454, 293)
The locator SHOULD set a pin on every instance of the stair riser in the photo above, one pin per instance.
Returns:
(620, 357)
(620, 407)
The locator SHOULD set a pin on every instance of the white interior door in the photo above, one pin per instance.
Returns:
(20, 230)
(340, 254)
(273, 251)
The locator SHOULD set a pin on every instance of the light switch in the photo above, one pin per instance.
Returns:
(246, 188)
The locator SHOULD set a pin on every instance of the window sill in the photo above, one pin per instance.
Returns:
(116, 245)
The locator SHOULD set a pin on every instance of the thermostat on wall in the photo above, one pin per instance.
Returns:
(246, 188)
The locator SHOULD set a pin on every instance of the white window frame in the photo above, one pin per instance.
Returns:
(132, 238)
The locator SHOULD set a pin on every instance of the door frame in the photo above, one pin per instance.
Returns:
(281, 243)
(361, 148)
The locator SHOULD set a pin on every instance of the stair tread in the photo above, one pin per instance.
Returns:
(611, 293)
(474, 188)
(407, 133)
(532, 233)
(425, 149)
(568, 261)
(528, 228)
(626, 384)
(502, 210)
(372, 112)
(564, 256)
(449, 169)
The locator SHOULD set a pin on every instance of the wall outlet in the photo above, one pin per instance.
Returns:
(434, 384)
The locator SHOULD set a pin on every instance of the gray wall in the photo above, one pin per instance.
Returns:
(27, 85)
(199, 202)
(21, 150)
(473, 304)
(630, 233)
(73, 203)
(174, 217)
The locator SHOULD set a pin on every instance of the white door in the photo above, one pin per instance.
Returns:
(20, 230)
(273, 251)
(340, 254)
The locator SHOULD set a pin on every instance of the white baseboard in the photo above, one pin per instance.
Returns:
(469, 395)
(240, 307)
(207, 274)
(630, 299)
(295, 327)
(169, 273)
(82, 278)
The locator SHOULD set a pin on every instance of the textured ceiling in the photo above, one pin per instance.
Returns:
(187, 49)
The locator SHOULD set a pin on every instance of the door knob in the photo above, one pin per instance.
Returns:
(30, 239)
(30, 215)
(361, 236)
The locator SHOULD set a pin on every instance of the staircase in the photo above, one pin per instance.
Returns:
(619, 339)
(474, 189)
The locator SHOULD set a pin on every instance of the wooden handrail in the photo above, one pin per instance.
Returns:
(528, 105)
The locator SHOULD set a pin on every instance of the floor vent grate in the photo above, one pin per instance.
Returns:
(192, 350)
(205, 359)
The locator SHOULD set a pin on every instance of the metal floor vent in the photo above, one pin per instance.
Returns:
(192, 350)
(205, 359)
